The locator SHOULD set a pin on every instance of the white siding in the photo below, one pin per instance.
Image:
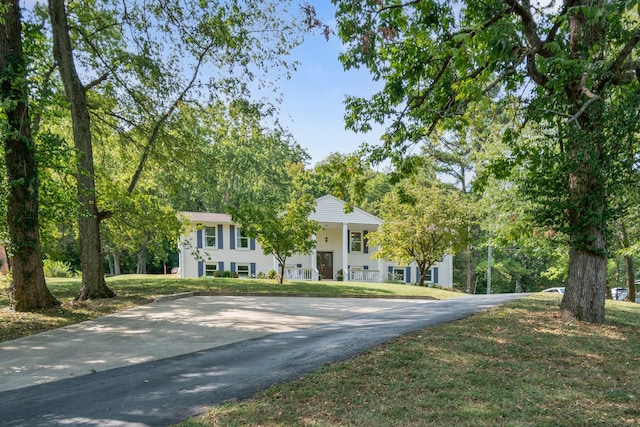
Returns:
(331, 210)
(331, 216)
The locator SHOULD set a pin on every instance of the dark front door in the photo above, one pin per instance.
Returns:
(325, 265)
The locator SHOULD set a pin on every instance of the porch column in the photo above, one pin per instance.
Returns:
(314, 260)
(345, 251)
(381, 273)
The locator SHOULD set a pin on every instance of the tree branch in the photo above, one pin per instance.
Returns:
(96, 81)
(163, 119)
(618, 66)
(589, 94)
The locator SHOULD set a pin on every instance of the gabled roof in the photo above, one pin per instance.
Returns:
(331, 209)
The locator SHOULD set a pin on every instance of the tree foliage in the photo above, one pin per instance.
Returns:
(571, 66)
(421, 224)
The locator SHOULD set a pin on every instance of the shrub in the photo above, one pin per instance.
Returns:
(261, 275)
(272, 274)
(53, 268)
(226, 273)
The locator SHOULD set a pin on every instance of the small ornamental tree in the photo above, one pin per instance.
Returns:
(421, 224)
(281, 229)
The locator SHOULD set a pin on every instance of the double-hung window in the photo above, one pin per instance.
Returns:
(242, 241)
(398, 274)
(210, 270)
(210, 237)
(428, 277)
(243, 270)
(355, 240)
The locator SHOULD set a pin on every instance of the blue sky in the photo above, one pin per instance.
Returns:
(313, 102)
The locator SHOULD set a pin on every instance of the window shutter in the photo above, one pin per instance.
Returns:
(252, 266)
(200, 268)
(407, 279)
(390, 272)
(232, 232)
(417, 274)
(199, 237)
(348, 240)
(233, 267)
(220, 237)
(365, 242)
(252, 244)
(220, 266)
(435, 274)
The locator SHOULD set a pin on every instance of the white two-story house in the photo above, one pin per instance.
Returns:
(215, 244)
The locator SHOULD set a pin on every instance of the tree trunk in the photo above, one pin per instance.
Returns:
(282, 267)
(142, 260)
(584, 297)
(628, 262)
(469, 266)
(93, 283)
(423, 272)
(116, 263)
(28, 290)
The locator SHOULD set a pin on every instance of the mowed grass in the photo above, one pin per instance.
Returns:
(135, 290)
(516, 365)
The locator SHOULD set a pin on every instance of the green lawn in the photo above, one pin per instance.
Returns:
(133, 290)
(516, 365)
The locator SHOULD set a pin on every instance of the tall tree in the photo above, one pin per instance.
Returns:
(573, 64)
(93, 283)
(28, 288)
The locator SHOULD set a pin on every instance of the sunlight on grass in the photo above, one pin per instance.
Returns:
(134, 290)
(518, 364)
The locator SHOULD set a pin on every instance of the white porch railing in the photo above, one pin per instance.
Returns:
(297, 273)
(362, 275)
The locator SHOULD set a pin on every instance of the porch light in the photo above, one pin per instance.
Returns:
(326, 237)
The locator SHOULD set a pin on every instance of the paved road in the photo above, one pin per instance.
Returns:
(170, 389)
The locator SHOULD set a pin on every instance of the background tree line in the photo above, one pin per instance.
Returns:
(132, 111)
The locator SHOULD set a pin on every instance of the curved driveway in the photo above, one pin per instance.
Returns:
(161, 363)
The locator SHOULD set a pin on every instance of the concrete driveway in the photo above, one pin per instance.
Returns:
(161, 363)
(166, 328)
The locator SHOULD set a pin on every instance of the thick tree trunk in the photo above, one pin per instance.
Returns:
(28, 290)
(93, 283)
(584, 296)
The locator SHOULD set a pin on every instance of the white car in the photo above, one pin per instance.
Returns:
(619, 294)
(555, 290)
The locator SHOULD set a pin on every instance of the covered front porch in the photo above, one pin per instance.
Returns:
(342, 252)
(342, 248)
